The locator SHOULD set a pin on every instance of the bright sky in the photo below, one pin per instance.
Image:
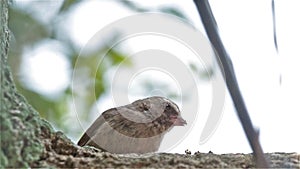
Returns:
(246, 30)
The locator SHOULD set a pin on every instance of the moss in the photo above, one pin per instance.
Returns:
(20, 123)
(3, 160)
(20, 142)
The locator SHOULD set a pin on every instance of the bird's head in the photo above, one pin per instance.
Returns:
(160, 110)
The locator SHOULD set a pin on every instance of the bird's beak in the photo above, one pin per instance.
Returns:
(179, 121)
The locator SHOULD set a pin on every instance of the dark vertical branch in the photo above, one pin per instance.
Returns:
(275, 34)
(231, 81)
(274, 25)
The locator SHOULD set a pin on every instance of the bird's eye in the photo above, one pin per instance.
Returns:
(146, 108)
(168, 107)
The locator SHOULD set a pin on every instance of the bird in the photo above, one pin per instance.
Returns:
(138, 127)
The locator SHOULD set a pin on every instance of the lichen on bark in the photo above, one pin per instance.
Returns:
(20, 123)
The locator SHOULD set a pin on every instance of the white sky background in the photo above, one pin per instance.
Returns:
(246, 30)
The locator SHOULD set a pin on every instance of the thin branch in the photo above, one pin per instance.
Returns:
(275, 34)
(231, 81)
(274, 26)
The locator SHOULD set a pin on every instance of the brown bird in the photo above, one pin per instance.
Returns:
(138, 127)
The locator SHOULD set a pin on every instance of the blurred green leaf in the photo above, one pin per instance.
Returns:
(173, 11)
(204, 74)
(100, 85)
(26, 29)
(68, 4)
(116, 56)
(131, 5)
(170, 10)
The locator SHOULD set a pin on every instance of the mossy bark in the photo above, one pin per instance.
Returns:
(20, 123)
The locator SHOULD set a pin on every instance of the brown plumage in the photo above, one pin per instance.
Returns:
(138, 127)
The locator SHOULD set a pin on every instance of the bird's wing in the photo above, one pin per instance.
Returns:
(97, 124)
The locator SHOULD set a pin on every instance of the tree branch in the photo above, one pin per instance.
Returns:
(231, 81)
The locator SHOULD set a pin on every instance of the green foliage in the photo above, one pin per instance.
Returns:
(26, 29)
(117, 57)
(173, 11)
(68, 4)
(166, 9)
(131, 5)
(202, 74)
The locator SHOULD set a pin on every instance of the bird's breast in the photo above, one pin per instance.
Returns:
(113, 141)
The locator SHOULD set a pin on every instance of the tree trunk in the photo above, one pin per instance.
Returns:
(20, 123)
